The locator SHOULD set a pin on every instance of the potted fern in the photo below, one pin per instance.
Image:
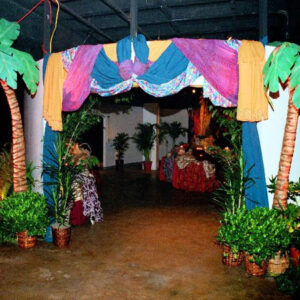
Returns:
(24, 214)
(144, 139)
(120, 143)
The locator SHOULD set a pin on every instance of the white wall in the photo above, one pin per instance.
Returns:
(34, 129)
(171, 115)
(271, 135)
(113, 123)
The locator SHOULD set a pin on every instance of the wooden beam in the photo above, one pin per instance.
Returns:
(133, 18)
(122, 15)
(263, 21)
(84, 21)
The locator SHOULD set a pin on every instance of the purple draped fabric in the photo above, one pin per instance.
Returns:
(217, 62)
(78, 81)
(127, 68)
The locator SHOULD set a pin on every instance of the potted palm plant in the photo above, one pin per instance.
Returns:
(144, 139)
(120, 143)
(62, 169)
(24, 214)
(173, 129)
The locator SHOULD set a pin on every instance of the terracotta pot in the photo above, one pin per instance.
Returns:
(278, 264)
(254, 269)
(295, 255)
(231, 259)
(25, 241)
(147, 166)
(61, 236)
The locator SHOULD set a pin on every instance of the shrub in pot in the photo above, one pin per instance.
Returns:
(144, 139)
(120, 143)
(292, 215)
(264, 236)
(25, 214)
(230, 235)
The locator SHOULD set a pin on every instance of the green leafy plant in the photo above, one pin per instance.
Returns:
(76, 124)
(264, 233)
(144, 138)
(24, 211)
(230, 232)
(6, 176)
(293, 188)
(62, 169)
(120, 143)
(173, 129)
(230, 196)
(289, 282)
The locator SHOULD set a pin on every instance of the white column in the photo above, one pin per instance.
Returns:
(34, 129)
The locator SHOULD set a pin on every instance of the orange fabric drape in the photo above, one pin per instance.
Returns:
(53, 91)
(252, 102)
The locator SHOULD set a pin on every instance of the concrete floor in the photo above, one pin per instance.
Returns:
(155, 243)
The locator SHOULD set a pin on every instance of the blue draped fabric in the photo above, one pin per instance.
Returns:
(256, 192)
(124, 49)
(48, 147)
(168, 66)
(105, 71)
(141, 48)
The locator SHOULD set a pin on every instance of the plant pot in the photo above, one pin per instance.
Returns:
(295, 255)
(61, 236)
(231, 259)
(147, 166)
(25, 241)
(254, 269)
(278, 264)
(119, 164)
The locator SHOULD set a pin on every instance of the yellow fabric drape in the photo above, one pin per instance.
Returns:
(252, 101)
(156, 48)
(53, 91)
(111, 51)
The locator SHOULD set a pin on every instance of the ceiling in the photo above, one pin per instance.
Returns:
(106, 21)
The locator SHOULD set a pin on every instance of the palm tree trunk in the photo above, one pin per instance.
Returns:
(18, 144)
(286, 156)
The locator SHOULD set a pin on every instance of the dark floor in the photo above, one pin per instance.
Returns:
(155, 243)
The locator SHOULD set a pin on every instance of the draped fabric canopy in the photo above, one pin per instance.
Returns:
(177, 64)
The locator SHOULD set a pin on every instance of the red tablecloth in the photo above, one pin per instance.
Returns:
(193, 178)
(161, 174)
(77, 217)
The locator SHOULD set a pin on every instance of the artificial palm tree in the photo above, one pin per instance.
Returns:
(13, 61)
(283, 68)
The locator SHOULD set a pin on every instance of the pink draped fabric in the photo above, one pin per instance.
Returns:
(217, 62)
(78, 81)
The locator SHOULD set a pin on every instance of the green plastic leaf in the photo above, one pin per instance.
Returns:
(8, 69)
(295, 77)
(6, 49)
(9, 31)
(279, 65)
(28, 69)
(296, 97)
